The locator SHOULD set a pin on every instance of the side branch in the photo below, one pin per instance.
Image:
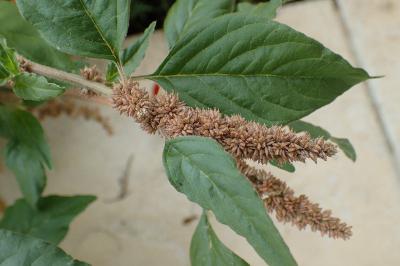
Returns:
(60, 75)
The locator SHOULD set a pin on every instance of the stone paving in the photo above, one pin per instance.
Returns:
(145, 227)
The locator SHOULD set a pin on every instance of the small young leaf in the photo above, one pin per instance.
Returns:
(133, 55)
(346, 146)
(206, 174)
(316, 132)
(27, 151)
(4, 74)
(18, 250)
(50, 221)
(184, 14)
(260, 69)
(23, 37)
(207, 250)
(35, 88)
(85, 28)
(288, 167)
(267, 10)
(7, 58)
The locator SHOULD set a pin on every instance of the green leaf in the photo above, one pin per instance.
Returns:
(133, 55)
(207, 250)
(35, 88)
(316, 132)
(18, 250)
(7, 58)
(23, 127)
(4, 74)
(260, 69)
(27, 151)
(267, 10)
(50, 221)
(286, 166)
(346, 146)
(23, 37)
(184, 14)
(206, 174)
(24, 161)
(80, 27)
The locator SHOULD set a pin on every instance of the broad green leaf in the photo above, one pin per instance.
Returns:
(20, 250)
(50, 221)
(267, 10)
(22, 126)
(23, 37)
(206, 174)
(316, 132)
(207, 250)
(80, 27)
(35, 88)
(27, 151)
(260, 69)
(133, 55)
(24, 161)
(7, 58)
(184, 14)
(286, 166)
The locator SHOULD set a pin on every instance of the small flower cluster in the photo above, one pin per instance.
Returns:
(92, 74)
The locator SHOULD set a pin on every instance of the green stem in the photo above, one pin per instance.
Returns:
(68, 77)
(140, 77)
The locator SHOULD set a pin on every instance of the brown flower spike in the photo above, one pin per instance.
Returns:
(169, 116)
(299, 211)
(243, 139)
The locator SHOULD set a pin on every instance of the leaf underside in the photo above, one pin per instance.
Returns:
(206, 174)
(207, 250)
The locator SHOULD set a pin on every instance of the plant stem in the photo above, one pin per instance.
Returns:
(139, 77)
(121, 73)
(68, 77)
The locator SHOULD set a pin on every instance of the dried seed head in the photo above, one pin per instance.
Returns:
(288, 208)
(246, 140)
(91, 73)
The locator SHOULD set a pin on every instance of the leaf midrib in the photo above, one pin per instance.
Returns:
(231, 75)
(86, 10)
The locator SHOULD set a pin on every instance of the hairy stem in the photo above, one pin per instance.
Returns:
(67, 77)
(121, 73)
(139, 77)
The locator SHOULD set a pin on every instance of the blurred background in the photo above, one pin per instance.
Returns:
(139, 219)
